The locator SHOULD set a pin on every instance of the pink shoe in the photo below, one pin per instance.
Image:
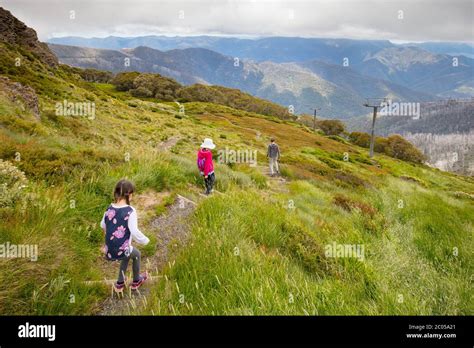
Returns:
(118, 287)
(136, 284)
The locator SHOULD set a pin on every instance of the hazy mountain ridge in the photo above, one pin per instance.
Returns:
(260, 49)
(277, 49)
(418, 69)
(300, 85)
(380, 59)
(450, 48)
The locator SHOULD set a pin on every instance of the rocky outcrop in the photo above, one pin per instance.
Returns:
(15, 32)
(24, 95)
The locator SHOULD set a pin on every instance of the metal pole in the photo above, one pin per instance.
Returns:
(372, 136)
(314, 120)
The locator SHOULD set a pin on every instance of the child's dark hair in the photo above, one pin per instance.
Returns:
(123, 189)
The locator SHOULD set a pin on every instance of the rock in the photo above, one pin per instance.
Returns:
(17, 92)
(15, 32)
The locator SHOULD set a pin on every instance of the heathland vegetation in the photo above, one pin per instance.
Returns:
(259, 247)
(146, 85)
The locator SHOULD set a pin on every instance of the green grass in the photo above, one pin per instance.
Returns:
(258, 249)
(269, 260)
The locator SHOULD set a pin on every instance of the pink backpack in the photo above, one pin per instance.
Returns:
(200, 163)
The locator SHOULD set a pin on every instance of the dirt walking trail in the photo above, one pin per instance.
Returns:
(277, 183)
(169, 231)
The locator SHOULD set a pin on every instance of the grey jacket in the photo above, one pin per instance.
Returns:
(273, 151)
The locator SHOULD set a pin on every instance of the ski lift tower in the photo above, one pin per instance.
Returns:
(375, 104)
(314, 118)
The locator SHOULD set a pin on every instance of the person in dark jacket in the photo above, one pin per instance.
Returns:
(273, 154)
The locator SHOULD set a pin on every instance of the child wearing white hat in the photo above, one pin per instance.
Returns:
(205, 164)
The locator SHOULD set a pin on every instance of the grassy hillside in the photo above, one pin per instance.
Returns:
(256, 248)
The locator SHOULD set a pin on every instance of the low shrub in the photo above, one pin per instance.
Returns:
(394, 146)
(93, 75)
(349, 205)
(303, 247)
(331, 127)
(124, 81)
(13, 183)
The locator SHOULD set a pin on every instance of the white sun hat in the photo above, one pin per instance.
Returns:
(208, 144)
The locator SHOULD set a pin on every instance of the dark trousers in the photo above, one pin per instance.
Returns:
(209, 182)
(135, 256)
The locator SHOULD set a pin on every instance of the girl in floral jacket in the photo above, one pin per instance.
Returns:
(120, 226)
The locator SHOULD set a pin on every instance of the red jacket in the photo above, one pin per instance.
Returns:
(204, 159)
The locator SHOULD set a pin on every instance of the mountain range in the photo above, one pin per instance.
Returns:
(277, 49)
(333, 75)
(338, 91)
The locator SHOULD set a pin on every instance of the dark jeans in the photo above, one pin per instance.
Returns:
(135, 256)
(209, 182)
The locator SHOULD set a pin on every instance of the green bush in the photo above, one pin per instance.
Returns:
(155, 85)
(93, 75)
(360, 139)
(233, 98)
(394, 146)
(400, 148)
(331, 127)
(124, 81)
(141, 92)
(381, 145)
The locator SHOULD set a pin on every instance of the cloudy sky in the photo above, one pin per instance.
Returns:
(405, 20)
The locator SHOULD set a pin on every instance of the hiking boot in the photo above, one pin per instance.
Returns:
(138, 283)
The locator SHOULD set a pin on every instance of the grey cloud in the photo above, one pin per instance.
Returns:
(422, 20)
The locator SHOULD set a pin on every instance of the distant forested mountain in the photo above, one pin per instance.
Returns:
(338, 91)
